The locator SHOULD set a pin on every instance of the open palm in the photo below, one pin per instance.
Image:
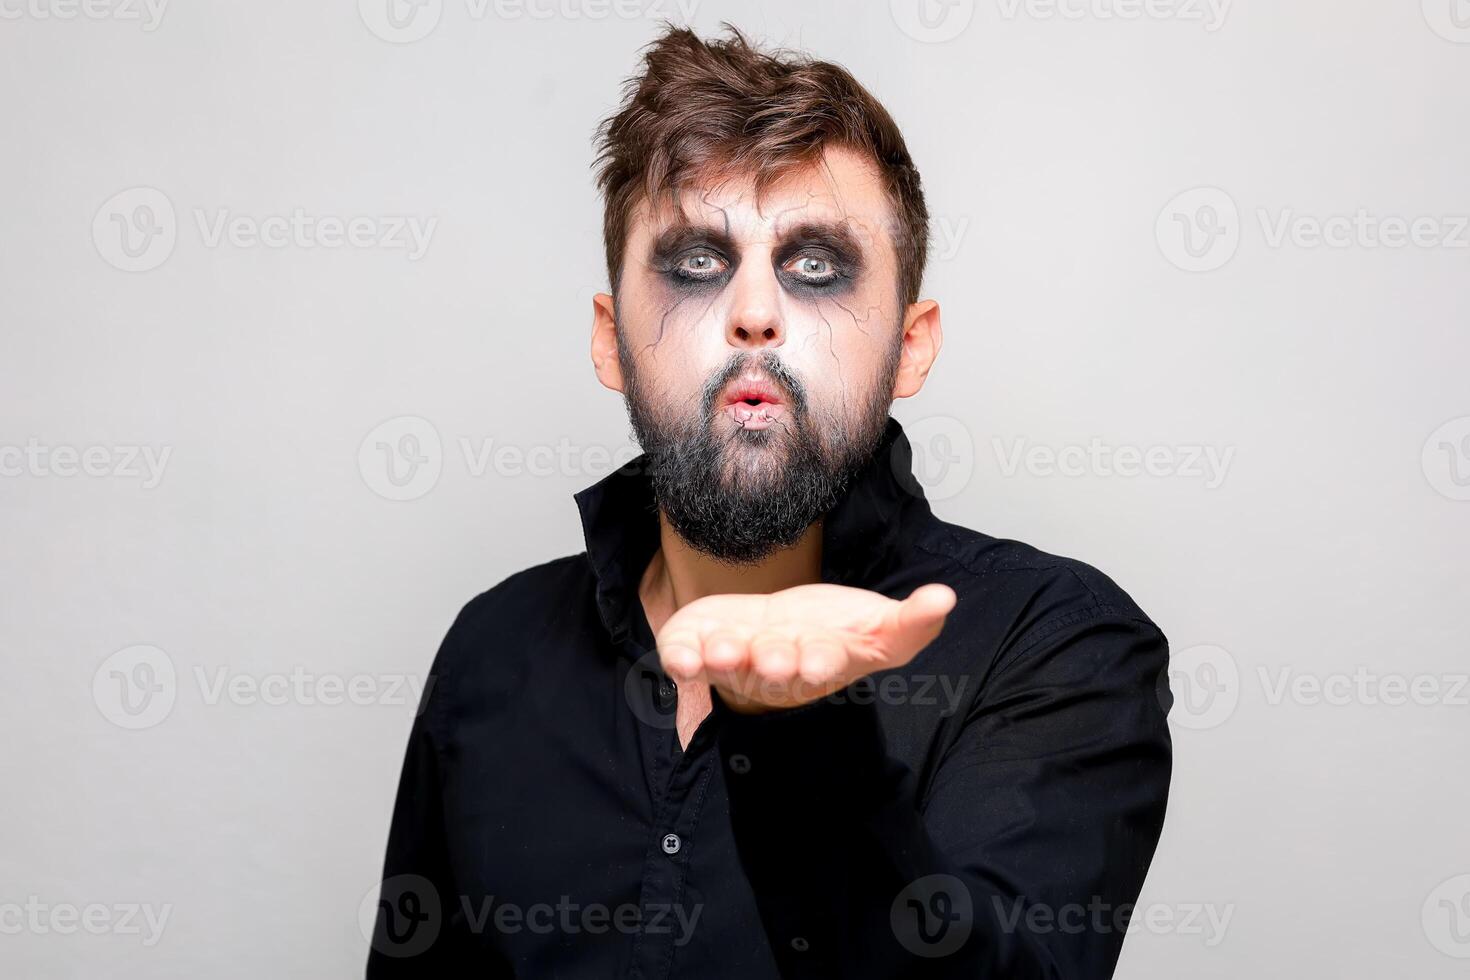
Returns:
(795, 646)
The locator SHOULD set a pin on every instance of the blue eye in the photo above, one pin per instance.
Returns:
(699, 266)
(814, 270)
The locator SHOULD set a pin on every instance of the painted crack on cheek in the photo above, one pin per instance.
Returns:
(832, 349)
(662, 326)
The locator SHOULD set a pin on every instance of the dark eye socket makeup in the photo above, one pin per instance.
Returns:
(688, 255)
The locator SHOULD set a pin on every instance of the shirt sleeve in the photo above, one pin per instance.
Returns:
(1023, 855)
(420, 929)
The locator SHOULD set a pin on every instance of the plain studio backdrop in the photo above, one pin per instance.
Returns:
(294, 316)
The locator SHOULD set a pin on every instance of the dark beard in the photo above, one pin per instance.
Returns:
(739, 495)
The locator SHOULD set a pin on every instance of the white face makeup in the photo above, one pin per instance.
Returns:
(759, 344)
(806, 276)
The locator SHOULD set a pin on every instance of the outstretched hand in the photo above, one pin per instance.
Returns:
(789, 648)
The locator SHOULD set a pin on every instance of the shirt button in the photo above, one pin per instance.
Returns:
(667, 691)
(800, 945)
(671, 843)
(740, 764)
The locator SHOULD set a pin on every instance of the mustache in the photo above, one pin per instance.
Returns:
(767, 362)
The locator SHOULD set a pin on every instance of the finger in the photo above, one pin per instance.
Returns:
(725, 651)
(773, 656)
(679, 652)
(916, 621)
(727, 661)
(822, 659)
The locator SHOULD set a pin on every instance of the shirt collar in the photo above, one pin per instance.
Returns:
(620, 525)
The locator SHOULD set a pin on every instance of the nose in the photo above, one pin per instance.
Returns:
(755, 318)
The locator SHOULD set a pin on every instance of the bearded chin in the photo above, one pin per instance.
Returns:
(739, 495)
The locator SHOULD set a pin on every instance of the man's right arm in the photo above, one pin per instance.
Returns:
(420, 930)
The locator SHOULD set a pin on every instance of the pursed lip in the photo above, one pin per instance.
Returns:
(753, 390)
(753, 402)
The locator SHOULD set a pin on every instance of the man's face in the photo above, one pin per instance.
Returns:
(758, 347)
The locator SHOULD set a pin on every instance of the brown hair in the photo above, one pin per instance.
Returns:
(722, 108)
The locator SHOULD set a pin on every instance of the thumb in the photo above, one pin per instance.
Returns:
(914, 623)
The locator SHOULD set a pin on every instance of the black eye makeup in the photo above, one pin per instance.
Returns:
(700, 265)
(815, 269)
(810, 259)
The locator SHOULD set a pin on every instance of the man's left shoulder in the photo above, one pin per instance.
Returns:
(1021, 589)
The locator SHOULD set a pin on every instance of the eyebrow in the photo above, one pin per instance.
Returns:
(835, 236)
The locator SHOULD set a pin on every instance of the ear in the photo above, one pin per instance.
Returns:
(922, 338)
(605, 342)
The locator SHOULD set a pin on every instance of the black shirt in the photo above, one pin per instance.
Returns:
(988, 810)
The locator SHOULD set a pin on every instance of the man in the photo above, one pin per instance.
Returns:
(778, 719)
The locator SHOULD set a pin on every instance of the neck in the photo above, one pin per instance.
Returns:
(678, 574)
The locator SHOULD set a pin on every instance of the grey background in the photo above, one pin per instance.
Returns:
(1054, 147)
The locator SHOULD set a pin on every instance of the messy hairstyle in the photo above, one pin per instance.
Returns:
(719, 109)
